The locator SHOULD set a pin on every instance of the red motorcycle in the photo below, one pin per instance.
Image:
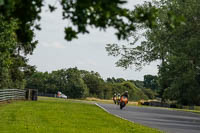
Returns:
(123, 102)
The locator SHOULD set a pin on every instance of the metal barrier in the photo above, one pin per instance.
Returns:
(11, 94)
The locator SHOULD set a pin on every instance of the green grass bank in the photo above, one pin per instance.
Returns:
(51, 115)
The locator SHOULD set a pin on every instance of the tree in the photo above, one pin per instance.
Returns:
(27, 15)
(111, 80)
(176, 45)
(138, 83)
(68, 81)
(23, 14)
(94, 83)
(151, 82)
(38, 81)
(107, 91)
(120, 80)
(76, 86)
(8, 43)
(134, 92)
(80, 84)
(99, 14)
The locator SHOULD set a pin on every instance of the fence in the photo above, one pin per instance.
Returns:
(11, 94)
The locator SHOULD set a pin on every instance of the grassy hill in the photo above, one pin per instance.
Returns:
(53, 115)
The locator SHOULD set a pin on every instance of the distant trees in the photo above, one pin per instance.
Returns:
(94, 83)
(80, 83)
(146, 89)
(151, 81)
(76, 88)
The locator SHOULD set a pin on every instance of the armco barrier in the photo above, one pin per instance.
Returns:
(11, 94)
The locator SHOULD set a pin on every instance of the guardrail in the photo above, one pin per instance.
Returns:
(11, 94)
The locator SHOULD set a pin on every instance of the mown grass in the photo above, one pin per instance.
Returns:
(62, 116)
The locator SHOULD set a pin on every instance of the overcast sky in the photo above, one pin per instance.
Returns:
(87, 52)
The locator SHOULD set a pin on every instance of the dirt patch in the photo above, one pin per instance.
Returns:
(98, 100)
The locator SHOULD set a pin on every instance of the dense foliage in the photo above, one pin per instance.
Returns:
(17, 40)
(80, 83)
(7, 49)
(175, 46)
(13, 67)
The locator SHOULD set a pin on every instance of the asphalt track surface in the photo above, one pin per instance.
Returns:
(170, 121)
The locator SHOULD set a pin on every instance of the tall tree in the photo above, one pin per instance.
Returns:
(24, 13)
(94, 83)
(176, 45)
(151, 82)
(8, 44)
(76, 86)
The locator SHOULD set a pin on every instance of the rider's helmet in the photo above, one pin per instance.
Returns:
(126, 92)
(118, 95)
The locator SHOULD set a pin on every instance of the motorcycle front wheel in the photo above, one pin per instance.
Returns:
(122, 104)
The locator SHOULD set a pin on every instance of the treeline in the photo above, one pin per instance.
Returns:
(80, 84)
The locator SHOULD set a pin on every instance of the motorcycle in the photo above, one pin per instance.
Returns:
(123, 102)
(118, 100)
(115, 99)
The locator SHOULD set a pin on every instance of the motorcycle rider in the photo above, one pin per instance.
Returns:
(125, 94)
(124, 99)
(115, 97)
(118, 98)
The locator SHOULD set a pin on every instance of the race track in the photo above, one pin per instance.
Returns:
(170, 121)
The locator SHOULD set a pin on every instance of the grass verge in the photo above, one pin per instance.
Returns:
(51, 115)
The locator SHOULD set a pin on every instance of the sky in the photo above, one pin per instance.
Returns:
(86, 53)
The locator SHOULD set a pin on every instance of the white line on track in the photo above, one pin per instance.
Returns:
(111, 113)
